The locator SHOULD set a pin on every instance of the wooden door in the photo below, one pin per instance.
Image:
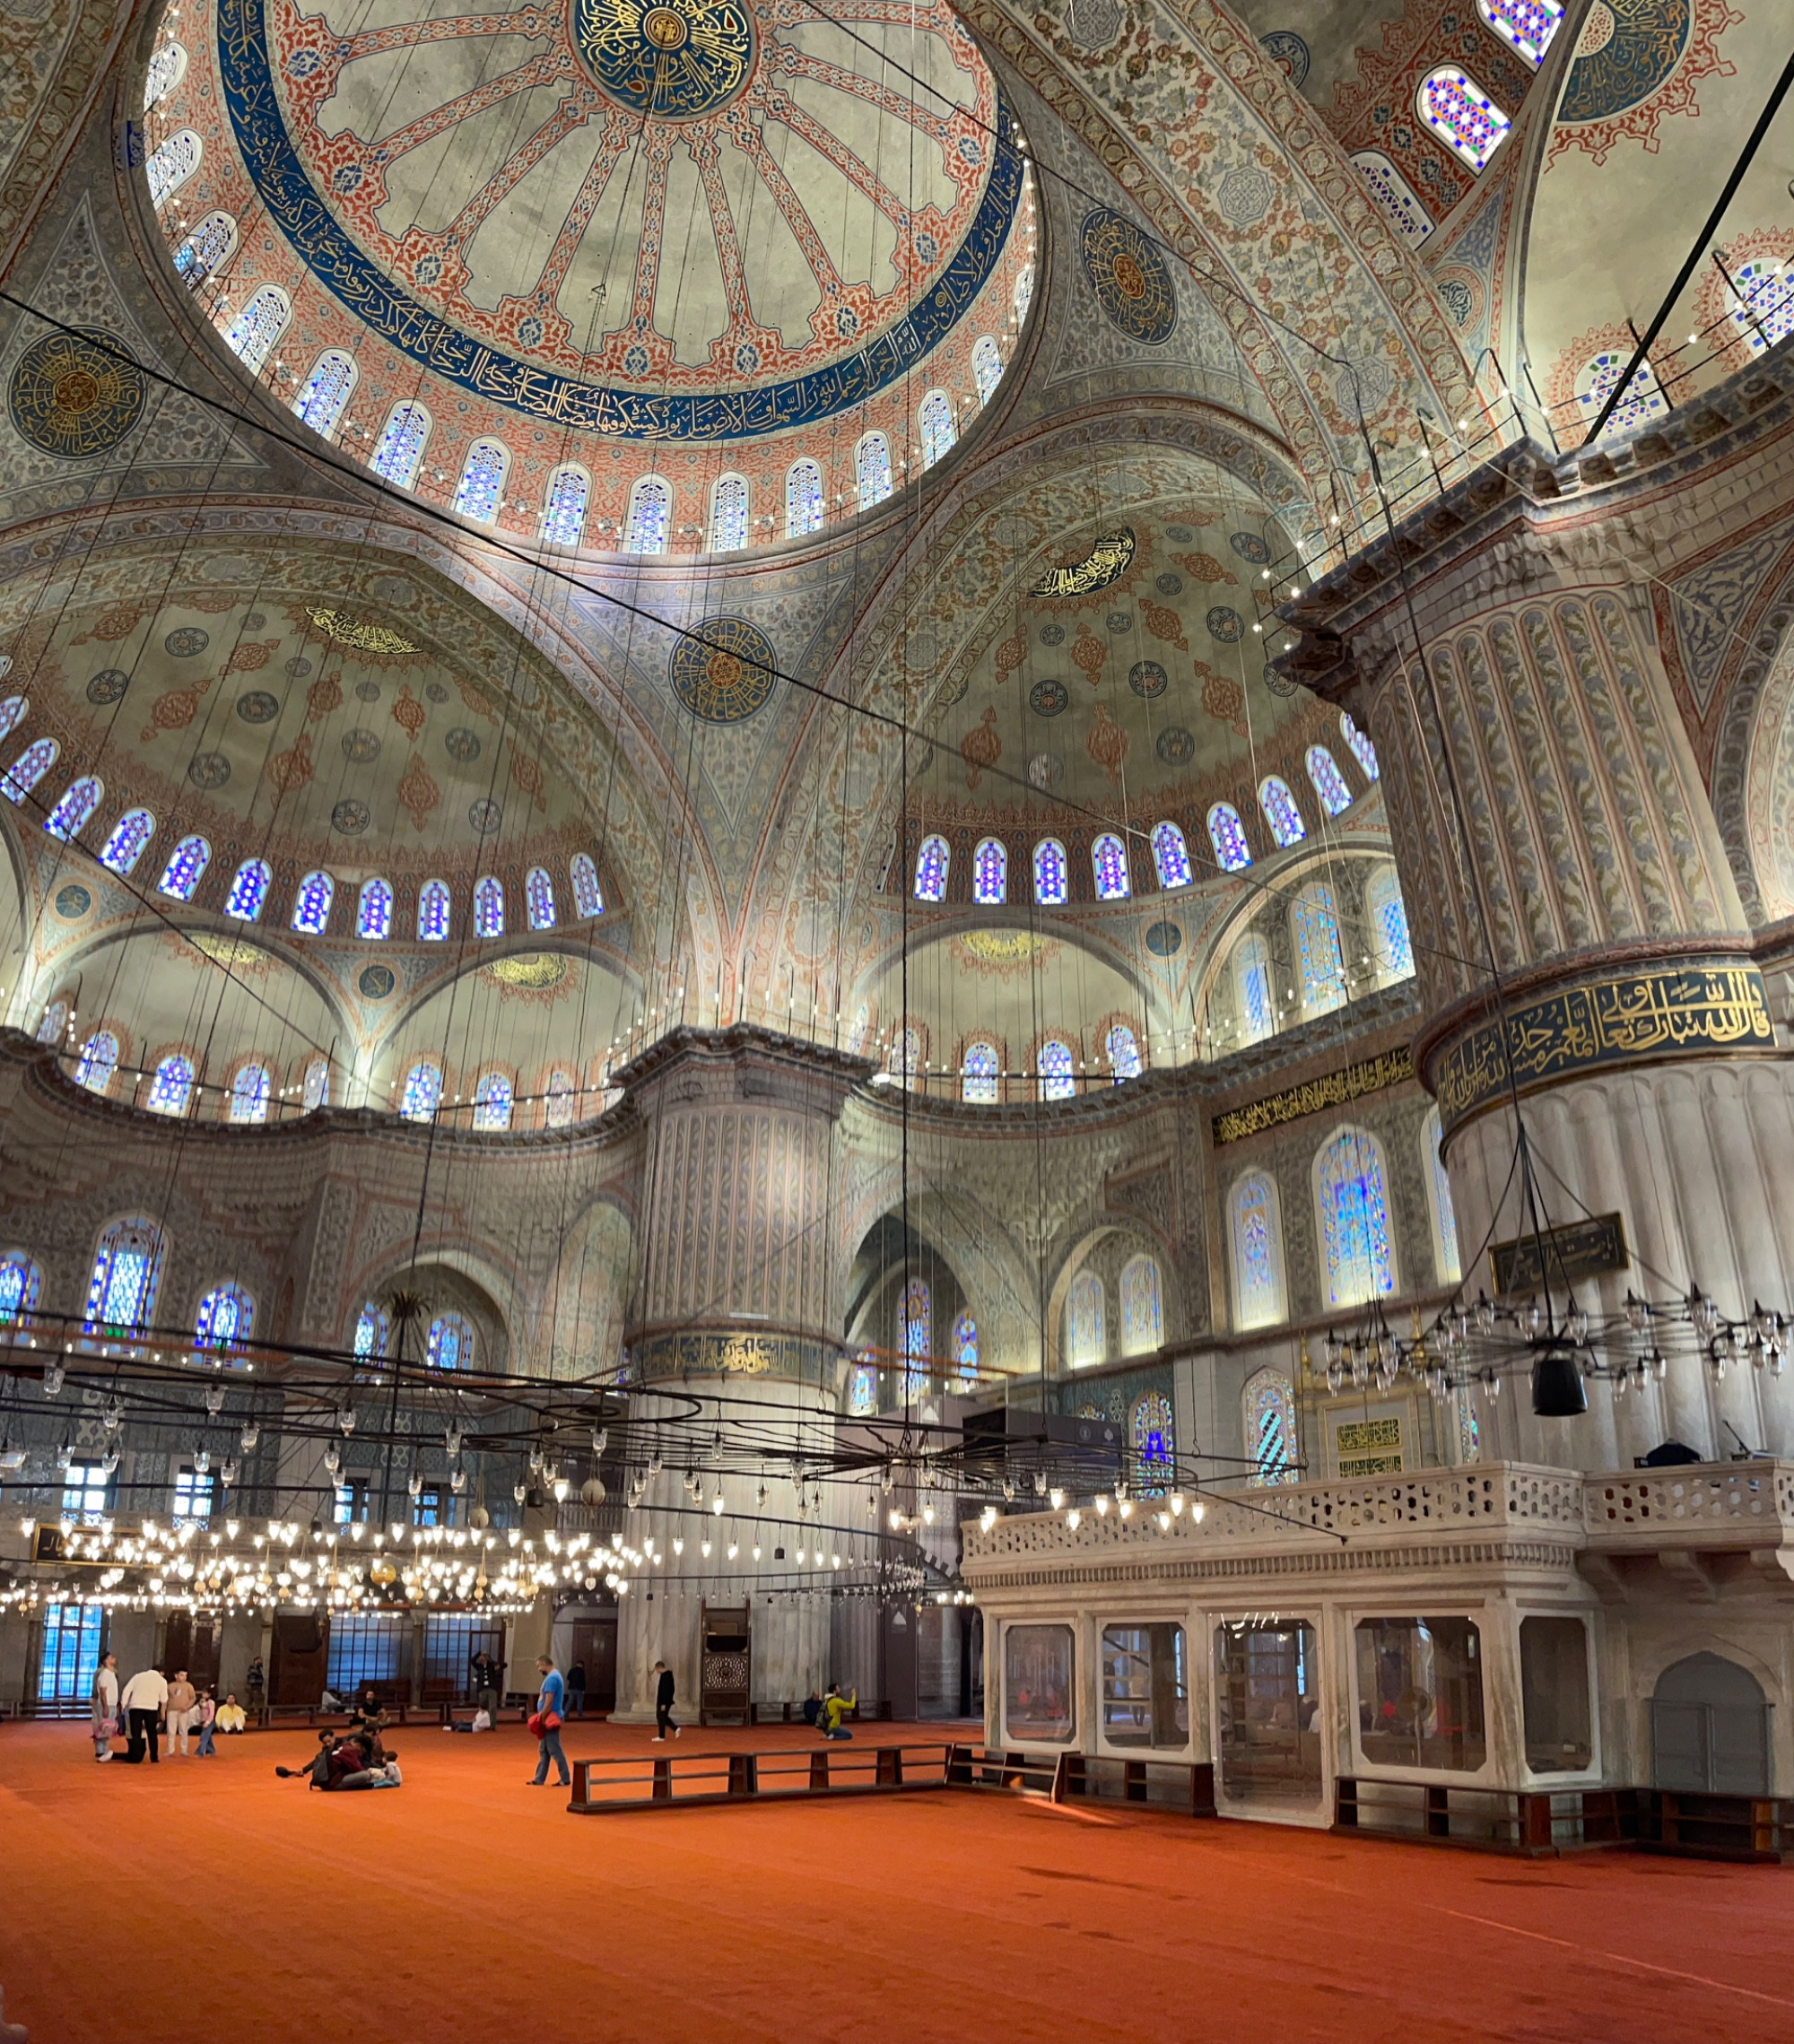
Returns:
(301, 1657)
(192, 1642)
(595, 1642)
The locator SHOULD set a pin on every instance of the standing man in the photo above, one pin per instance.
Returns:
(105, 1703)
(485, 1672)
(575, 1691)
(144, 1699)
(663, 1704)
(183, 1700)
(551, 1708)
(256, 1685)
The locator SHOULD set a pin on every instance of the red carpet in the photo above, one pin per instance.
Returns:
(206, 1898)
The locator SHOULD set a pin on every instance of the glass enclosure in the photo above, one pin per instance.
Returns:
(1145, 1686)
(1037, 1702)
(1420, 1693)
(1267, 1707)
(1554, 1684)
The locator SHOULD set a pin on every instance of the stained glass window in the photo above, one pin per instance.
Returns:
(1329, 783)
(1227, 834)
(169, 166)
(374, 911)
(1123, 1049)
(128, 1268)
(1356, 1252)
(71, 814)
(538, 898)
(433, 902)
(563, 506)
(990, 872)
(450, 1343)
(1258, 1253)
(489, 908)
(1050, 873)
(1320, 966)
(206, 249)
(1599, 375)
(29, 769)
(98, 1061)
(1109, 863)
(1362, 749)
(937, 421)
(804, 506)
(311, 906)
(252, 334)
(314, 1092)
(371, 1333)
(400, 448)
(980, 1073)
(1444, 1213)
(1143, 1312)
(1086, 1332)
(915, 1333)
(1153, 1432)
(172, 1088)
(494, 1098)
(54, 1026)
(483, 479)
(250, 1093)
(987, 366)
(1765, 311)
(1252, 984)
(905, 1062)
(13, 711)
(167, 68)
(1268, 1411)
(872, 470)
(21, 1280)
(862, 1025)
(931, 869)
(248, 890)
(1170, 856)
(1461, 114)
(964, 1345)
(225, 1316)
(651, 512)
(323, 397)
(422, 1092)
(1058, 1070)
(187, 862)
(588, 899)
(1281, 812)
(728, 514)
(1529, 25)
(132, 832)
(1387, 914)
(558, 1106)
(1394, 196)
(1024, 294)
(862, 1391)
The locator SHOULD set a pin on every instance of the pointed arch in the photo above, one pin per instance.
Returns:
(127, 1274)
(804, 505)
(872, 469)
(251, 335)
(1086, 1322)
(311, 905)
(130, 834)
(1052, 874)
(1327, 780)
(588, 899)
(564, 504)
(1109, 868)
(480, 493)
(71, 814)
(1256, 1232)
(538, 898)
(172, 1085)
(97, 1062)
(324, 396)
(1057, 1070)
(1351, 1199)
(374, 911)
(1281, 812)
(1143, 1311)
(990, 872)
(980, 1070)
(1227, 834)
(932, 861)
(987, 366)
(728, 514)
(251, 1088)
(398, 453)
(186, 866)
(248, 890)
(1170, 856)
(935, 419)
(649, 517)
(488, 907)
(1268, 1421)
(434, 902)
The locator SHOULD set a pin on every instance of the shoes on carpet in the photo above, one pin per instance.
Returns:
(659, 1739)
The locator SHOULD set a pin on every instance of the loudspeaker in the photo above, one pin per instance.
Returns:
(1558, 1392)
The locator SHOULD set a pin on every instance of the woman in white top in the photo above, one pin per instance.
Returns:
(105, 1702)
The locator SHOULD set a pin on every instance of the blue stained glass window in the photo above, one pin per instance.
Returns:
(905, 1062)
(450, 1343)
(21, 1280)
(494, 1098)
(1355, 1219)
(170, 166)
(71, 814)
(13, 711)
(1170, 856)
(225, 1316)
(132, 832)
(1024, 294)
(937, 421)
(1086, 1331)
(1320, 966)
(400, 448)
(1253, 983)
(311, 907)
(29, 769)
(1050, 873)
(1143, 1311)
(167, 68)
(1329, 783)
(172, 1086)
(249, 1092)
(1387, 913)
(374, 913)
(1124, 1052)
(1227, 834)
(558, 1105)
(931, 869)
(1765, 311)
(206, 249)
(872, 470)
(1257, 1258)
(128, 1268)
(248, 890)
(588, 899)
(1529, 25)
(1362, 749)
(1461, 114)
(862, 1391)
(433, 903)
(538, 897)
(482, 480)
(964, 1346)
(990, 872)
(489, 908)
(98, 1061)
(1269, 1403)
(187, 864)
(1599, 375)
(1058, 1070)
(371, 1333)
(563, 508)
(1109, 861)
(323, 397)
(804, 506)
(987, 366)
(651, 512)
(1155, 1441)
(979, 1071)
(68, 1657)
(1281, 812)
(915, 1333)
(1394, 193)
(54, 1025)
(252, 334)
(728, 514)
(422, 1092)
(315, 1090)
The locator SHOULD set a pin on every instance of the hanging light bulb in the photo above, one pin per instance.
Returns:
(54, 1374)
(717, 1501)
(250, 1436)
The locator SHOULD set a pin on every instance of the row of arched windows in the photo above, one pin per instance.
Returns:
(447, 1342)
(1319, 977)
(1056, 1072)
(1086, 1314)
(170, 1083)
(495, 1106)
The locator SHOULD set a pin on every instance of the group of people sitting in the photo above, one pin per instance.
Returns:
(357, 1757)
(827, 1713)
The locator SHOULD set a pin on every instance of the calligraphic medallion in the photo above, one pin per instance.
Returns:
(69, 396)
(1128, 276)
(674, 60)
(1109, 559)
(725, 673)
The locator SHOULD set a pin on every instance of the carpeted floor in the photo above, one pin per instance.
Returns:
(206, 1898)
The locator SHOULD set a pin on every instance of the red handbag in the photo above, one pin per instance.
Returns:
(541, 1722)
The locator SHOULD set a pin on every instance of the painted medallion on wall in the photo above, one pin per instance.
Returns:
(1128, 276)
(674, 61)
(72, 396)
(725, 676)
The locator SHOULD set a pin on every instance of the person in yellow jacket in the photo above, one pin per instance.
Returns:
(835, 1706)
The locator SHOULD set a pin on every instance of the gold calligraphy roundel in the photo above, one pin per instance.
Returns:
(675, 59)
(725, 672)
(1128, 276)
(72, 395)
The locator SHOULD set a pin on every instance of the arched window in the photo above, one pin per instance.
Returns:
(987, 366)
(904, 1060)
(187, 862)
(374, 911)
(1440, 1208)
(588, 899)
(433, 901)
(422, 1091)
(249, 1092)
(21, 1280)
(54, 1025)
(225, 1315)
(324, 396)
(311, 906)
(1257, 1235)
(1057, 1070)
(931, 869)
(937, 421)
(168, 168)
(1227, 834)
(1394, 196)
(1024, 294)
(494, 1099)
(132, 832)
(29, 769)
(489, 908)
(1086, 1330)
(98, 1061)
(315, 1088)
(728, 514)
(450, 1343)
(1529, 25)
(1320, 966)
(127, 1269)
(651, 512)
(557, 1106)
(915, 1332)
(400, 448)
(167, 68)
(1357, 1251)
(71, 814)
(538, 898)
(1171, 856)
(206, 249)
(172, 1088)
(964, 1345)
(979, 1071)
(1329, 783)
(248, 890)
(1109, 864)
(990, 872)
(252, 334)
(481, 490)
(1281, 812)
(862, 1026)
(1050, 873)
(564, 504)
(1765, 311)
(1362, 749)
(372, 1332)
(1597, 377)
(1153, 1432)
(1143, 1311)
(804, 506)
(1252, 989)
(1267, 1411)
(862, 1391)
(1461, 114)
(13, 711)
(1123, 1050)
(1387, 914)
(872, 470)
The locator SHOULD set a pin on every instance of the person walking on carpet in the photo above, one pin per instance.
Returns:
(144, 1699)
(105, 1703)
(205, 1716)
(575, 1691)
(551, 1710)
(663, 1704)
(182, 1701)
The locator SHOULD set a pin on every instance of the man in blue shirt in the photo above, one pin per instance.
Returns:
(550, 1707)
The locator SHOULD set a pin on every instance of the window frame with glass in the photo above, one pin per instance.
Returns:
(1112, 1697)
(1473, 1736)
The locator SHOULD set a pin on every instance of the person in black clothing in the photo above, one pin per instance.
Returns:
(575, 1690)
(368, 1720)
(813, 1710)
(485, 1672)
(255, 1684)
(663, 1703)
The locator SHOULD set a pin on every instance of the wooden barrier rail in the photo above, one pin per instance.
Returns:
(1159, 1784)
(1715, 1827)
(685, 1781)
